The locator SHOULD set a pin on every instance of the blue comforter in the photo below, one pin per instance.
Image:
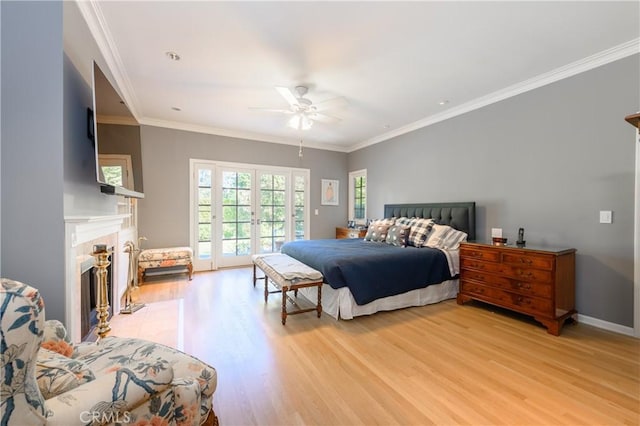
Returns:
(371, 270)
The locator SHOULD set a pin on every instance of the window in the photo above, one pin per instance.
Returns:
(358, 196)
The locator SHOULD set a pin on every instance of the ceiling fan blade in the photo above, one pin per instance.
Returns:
(334, 103)
(324, 118)
(288, 95)
(280, 110)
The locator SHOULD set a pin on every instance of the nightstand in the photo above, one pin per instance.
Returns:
(536, 281)
(344, 232)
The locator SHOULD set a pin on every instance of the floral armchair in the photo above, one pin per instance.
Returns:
(46, 379)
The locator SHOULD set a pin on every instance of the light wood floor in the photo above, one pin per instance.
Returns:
(441, 364)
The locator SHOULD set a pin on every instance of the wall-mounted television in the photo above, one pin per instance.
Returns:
(116, 136)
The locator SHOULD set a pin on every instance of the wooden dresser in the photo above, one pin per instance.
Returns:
(531, 280)
(344, 232)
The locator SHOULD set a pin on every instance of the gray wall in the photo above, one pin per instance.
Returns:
(547, 160)
(163, 215)
(32, 149)
(82, 194)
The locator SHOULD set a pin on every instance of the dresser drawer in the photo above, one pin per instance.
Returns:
(522, 303)
(479, 265)
(523, 287)
(528, 260)
(483, 254)
(526, 274)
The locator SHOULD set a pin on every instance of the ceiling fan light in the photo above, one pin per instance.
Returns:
(300, 122)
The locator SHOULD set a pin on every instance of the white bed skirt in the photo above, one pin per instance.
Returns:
(341, 304)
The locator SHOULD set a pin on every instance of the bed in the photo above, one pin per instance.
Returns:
(362, 277)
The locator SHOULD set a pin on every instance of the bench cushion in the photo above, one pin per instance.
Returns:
(285, 270)
(170, 253)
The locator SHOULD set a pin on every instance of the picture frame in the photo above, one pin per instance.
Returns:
(330, 192)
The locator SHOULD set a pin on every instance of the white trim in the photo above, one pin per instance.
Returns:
(605, 325)
(636, 245)
(240, 134)
(94, 18)
(613, 54)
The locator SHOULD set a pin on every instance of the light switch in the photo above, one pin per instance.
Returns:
(316, 212)
(606, 216)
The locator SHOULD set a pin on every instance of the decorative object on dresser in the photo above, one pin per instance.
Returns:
(534, 281)
(342, 232)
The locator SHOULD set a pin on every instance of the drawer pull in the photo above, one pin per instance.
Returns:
(524, 274)
(479, 277)
(521, 285)
(525, 260)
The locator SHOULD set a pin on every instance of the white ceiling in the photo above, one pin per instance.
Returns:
(393, 62)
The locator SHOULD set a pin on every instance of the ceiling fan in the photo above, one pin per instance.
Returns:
(303, 111)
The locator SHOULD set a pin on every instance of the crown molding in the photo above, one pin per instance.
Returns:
(602, 58)
(93, 16)
(176, 125)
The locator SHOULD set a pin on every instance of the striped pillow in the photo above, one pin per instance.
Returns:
(420, 229)
(445, 237)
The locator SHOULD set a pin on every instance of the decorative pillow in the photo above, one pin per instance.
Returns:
(445, 237)
(386, 221)
(452, 239)
(377, 232)
(419, 232)
(57, 374)
(398, 235)
(406, 221)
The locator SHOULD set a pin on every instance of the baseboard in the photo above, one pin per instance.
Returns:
(606, 325)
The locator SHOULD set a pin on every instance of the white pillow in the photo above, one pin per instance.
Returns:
(445, 237)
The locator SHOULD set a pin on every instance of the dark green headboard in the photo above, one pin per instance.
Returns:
(460, 216)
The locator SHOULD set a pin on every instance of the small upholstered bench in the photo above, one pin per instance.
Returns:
(287, 273)
(165, 258)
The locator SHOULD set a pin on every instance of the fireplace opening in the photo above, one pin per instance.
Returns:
(89, 298)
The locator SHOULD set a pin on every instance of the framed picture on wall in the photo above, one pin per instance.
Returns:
(330, 192)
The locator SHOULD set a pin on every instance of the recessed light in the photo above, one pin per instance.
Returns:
(173, 56)
(443, 102)
(176, 109)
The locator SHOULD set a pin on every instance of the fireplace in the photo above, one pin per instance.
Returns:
(89, 298)
(82, 233)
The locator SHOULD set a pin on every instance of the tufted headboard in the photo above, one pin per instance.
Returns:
(461, 216)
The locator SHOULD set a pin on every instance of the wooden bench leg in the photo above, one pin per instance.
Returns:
(319, 307)
(140, 274)
(190, 267)
(284, 305)
(266, 288)
(254, 275)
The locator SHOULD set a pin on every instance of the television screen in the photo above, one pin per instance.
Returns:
(117, 140)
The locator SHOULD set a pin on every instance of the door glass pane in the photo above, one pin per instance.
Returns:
(272, 211)
(236, 213)
(299, 207)
(204, 214)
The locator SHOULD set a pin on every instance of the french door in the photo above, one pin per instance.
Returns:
(239, 210)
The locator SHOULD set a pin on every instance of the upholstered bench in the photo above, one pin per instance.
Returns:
(287, 273)
(165, 258)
